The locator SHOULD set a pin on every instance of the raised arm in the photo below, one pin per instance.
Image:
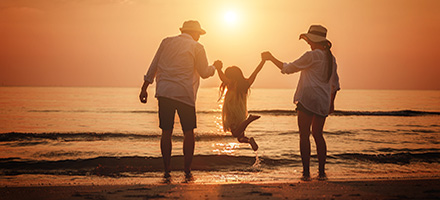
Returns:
(218, 65)
(254, 74)
(268, 56)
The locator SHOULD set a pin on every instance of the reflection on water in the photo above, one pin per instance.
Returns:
(225, 148)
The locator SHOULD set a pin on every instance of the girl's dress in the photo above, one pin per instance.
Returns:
(234, 109)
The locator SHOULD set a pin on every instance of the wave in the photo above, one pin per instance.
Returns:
(391, 158)
(397, 113)
(120, 166)
(116, 166)
(92, 136)
(276, 112)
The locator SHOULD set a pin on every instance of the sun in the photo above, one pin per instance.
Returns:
(230, 17)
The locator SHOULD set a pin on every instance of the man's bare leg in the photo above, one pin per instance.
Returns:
(165, 147)
(188, 149)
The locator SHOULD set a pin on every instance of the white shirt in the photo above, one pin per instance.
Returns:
(178, 65)
(313, 90)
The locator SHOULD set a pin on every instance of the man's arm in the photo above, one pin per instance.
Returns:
(151, 74)
(218, 65)
(144, 95)
(201, 64)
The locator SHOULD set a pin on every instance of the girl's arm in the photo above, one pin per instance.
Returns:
(218, 65)
(251, 79)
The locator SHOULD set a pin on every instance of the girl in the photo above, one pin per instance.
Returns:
(315, 93)
(234, 110)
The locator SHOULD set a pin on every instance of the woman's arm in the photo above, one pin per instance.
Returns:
(268, 56)
(251, 79)
(332, 103)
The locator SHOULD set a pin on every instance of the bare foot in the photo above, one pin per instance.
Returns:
(254, 145)
(252, 118)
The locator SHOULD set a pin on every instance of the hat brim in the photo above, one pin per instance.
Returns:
(312, 37)
(201, 31)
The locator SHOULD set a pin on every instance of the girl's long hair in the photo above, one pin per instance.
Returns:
(327, 46)
(237, 82)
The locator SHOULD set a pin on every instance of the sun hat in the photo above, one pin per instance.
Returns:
(192, 25)
(316, 33)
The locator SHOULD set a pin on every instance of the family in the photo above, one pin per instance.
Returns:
(181, 60)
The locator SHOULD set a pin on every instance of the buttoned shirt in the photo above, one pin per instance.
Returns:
(177, 66)
(313, 90)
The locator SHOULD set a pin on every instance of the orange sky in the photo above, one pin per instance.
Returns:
(378, 44)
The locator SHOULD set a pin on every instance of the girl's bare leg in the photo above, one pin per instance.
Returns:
(243, 140)
(239, 131)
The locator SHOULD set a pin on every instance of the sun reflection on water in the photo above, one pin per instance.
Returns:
(225, 148)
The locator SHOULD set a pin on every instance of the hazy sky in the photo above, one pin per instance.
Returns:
(378, 44)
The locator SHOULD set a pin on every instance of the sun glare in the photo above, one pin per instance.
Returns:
(231, 17)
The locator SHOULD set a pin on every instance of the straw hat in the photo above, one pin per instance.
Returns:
(316, 33)
(192, 25)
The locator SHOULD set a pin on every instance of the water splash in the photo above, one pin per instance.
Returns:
(257, 163)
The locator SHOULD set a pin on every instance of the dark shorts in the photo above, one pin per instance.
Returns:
(167, 111)
(300, 107)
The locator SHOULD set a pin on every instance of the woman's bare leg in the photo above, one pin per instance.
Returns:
(321, 146)
(304, 123)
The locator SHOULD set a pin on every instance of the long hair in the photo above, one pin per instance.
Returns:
(237, 82)
(327, 46)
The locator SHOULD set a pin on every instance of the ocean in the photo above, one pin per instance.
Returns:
(92, 135)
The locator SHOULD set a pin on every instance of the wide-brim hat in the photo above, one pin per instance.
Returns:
(316, 33)
(192, 25)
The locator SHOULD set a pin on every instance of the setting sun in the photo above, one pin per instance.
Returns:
(231, 17)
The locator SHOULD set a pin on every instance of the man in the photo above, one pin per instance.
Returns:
(178, 65)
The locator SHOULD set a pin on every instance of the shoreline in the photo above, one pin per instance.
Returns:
(332, 189)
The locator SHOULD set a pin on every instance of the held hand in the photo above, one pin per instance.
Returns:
(218, 64)
(266, 55)
(143, 96)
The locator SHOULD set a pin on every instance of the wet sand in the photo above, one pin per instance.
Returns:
(362, 189)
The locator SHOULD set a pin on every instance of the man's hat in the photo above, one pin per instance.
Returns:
(192, 25)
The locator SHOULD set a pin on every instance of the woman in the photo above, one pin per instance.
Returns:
(315, 93)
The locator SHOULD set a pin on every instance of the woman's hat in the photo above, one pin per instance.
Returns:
(192, 25)
(316, 33)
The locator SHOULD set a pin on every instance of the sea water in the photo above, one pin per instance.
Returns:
(107, 133)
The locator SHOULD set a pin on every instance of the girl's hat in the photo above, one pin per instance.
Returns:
(192, 25)
(316, 33)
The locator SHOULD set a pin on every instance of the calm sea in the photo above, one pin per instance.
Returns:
(106, 133)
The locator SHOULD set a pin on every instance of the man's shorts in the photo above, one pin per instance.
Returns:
(167, 111)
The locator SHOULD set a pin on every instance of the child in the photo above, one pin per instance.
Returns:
(234, 106)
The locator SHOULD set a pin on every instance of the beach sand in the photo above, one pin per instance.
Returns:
(360, 189)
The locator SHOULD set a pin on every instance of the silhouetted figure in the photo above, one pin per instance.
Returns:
(177, 66)
(315, 93)
(234, 110)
